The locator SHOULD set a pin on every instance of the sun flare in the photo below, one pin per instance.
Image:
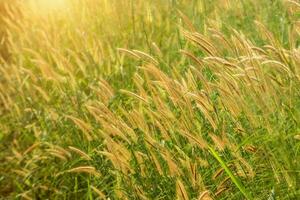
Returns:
(47, 6)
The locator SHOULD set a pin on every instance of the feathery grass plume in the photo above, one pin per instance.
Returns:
(4, 102)
(119, 156)
(181, 192)
(112, 124)
(191, 81)
(107, 87)
(96, 112)
(25, 195)
(100, 194)
(266, 33)
(16, 153)
(186, 20)
(140, 193)
(135, 120)
(279, 64)
(139, 82)
(53, 115)
(134, 95)
(31, 148)
(83, 126)
(111, 156)
(163, 128)
(156, 162)
(220, 191)
(24, 172)
(223, 183)
(195, 176)
(193, 138)
(251, 148)
(81, 153)
(246, 167)
(297, 137)
(205, 196)
(295, 3)
(218, 141)
(47, 72)
(104, 91)
(233, 87)
(193, 57)
(156, 49)
(173, 167)
(43, 93)
(131, 53)
(84, 169)
(140, 158)
(224, 42)
(201, 41)
(218, 173)
(207, 116)
(146, 56)
(113, 131)
(57, 153)
(58, 149)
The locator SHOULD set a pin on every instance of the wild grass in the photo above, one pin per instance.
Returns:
(150, 100)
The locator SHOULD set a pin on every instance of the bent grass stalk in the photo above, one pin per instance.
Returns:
(234, 179)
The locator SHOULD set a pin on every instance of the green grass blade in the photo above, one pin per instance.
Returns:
(234, 179)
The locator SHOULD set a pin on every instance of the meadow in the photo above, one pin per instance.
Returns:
(150, 99)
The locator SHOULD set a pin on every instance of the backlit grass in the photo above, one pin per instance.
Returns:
(140, 99)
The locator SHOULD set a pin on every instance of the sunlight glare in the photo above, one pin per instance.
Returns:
(47, 6)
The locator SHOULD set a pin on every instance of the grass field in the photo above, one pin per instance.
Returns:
(150, 99)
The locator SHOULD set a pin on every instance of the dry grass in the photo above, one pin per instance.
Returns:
(83, 118)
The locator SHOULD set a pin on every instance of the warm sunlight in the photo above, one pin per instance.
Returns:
(46, 6)
(150, 99)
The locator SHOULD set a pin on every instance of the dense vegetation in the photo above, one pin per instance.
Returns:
(150, 99)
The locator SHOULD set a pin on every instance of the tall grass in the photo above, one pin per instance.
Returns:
(151, 100)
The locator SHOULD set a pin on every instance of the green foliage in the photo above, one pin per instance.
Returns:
(150, 99)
